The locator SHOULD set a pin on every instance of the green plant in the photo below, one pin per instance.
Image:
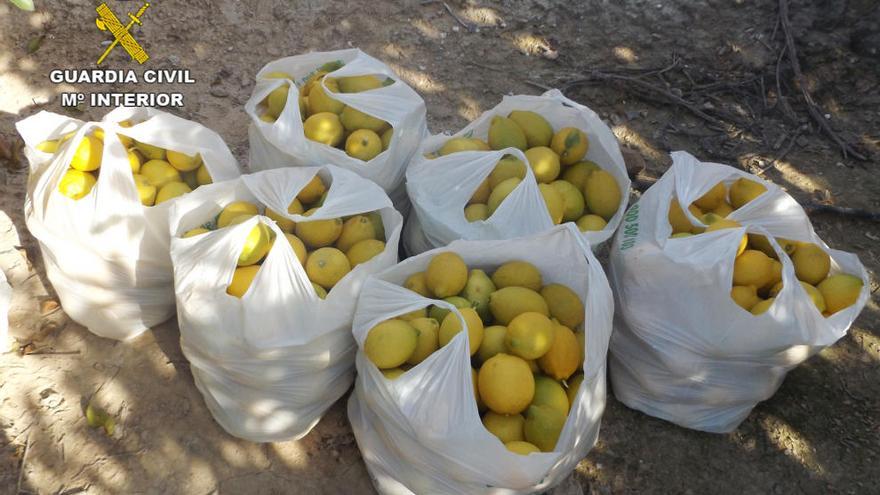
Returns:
(23, 4)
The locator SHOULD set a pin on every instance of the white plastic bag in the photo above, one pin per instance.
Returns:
(682, 349)
(269, 364)
(5, 300)
(421, 432)
(106, 254)
(439, 188)
(283, 143)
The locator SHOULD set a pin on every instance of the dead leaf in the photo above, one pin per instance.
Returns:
(48, 306)
(35, 43)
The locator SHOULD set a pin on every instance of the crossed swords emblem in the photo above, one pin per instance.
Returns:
(107, 20)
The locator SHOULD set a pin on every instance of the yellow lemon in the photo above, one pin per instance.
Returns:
(386, 138)
(775, 276)
(723, 209)
(171, 190)
(761, 243)
(354, 230)
(746, 296)
(203, 176)
(358, 84)
(480, 405)
(578, 173)
(840, 291)
(418, 284)
(319, 233)
(184, 162)
(481, 194)
(591, 223)
(282, 222)
(506, 384)
(299, 248)
(393, 373)
(544, 163)
(537, 130)
(504, 133)
(320, 101)
(507, 427)
(159, 173)
(678, 219)
(752, 267)
(446, 274)
(454, 145)
(390, 343)
(235, 209)
(517, 274)
(521, 448)
(564, 356)
(718, 223)
(744, 190)
(713, 198)
(602, 194)
(310, 82)
(324, 127)
(242, 279)
(573, 385)
(256, 245)
(500, 193)
(311, 192)
(428, 339)
(439, 313)
(681, 235)
(553, 201)
(549, 392)
(194, 232)
(327, 266)
(564, 304)
(572, 199)
(146, 190)
(530, 335)
(277, 100)
(543, 426)
(509, 302)
(320, 291)
(571, 144)
(492, 343)
(815, 296)
(353, 119)
(363, 144)
(477, 291)
(412, 315)
(363, 251)
(87, 156)
(76, 184)
(476, 211)
(135, 160)
(48, 146)
(507, 168)
(149, 151)
(452, 325)
(811, 263)
(762, 306)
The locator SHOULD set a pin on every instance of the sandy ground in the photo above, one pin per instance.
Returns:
(818, 434)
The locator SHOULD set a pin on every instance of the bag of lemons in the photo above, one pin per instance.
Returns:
(445, 399)
(723, 287)
(528, 164)
(342, 107)
(267, 270)
(97, 202)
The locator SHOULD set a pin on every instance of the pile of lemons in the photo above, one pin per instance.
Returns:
(574, 189)
(526, 342)
(757, 271)
(159, 174)
(328, 120)
(328, 249)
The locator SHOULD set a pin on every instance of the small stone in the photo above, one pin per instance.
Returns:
(219, 92)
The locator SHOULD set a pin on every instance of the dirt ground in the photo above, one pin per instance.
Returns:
(819, 434)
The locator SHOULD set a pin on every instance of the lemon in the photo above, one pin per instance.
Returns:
(412, 315)
(183, 162)
(718, 223)
(493, 342)
(324, 127)
(446, 274)
(320, 101)
(311, 192)
(283, 222)
(554, 202)
(761, 243)
(543, 426)
(762, 306)
(775, 276)
(713, 198)
(235, 209)
(752, 267)
(549, 392)
(363, 144)
(564, 304)
(277, 100)
(357, 84)
(49, 146)
(393, 373)
(194, 232)
(840, 291)
(480, 405)
(507, 427)
(439, 313)
(573, 385)
(326, 266)
(537, 130)
(172, 190)
(571, 144)
(203, 176)
(509, 302)
(76, 184)
(428, 339)
(452, 325)
(299, 249)
(678, 219)
(521, 448)
(544, 163)
(363, 251)
(476, 212)
(811, 263)
(501, 192)
(416, 283)
(159, 173)
(744, 190)
(815, 296)
(681, 235)
(507, 168)
(746, 296)
(477, 291)
(578, 173)
(353, 119)
(591, 223)
(310, 82)
(506, 384)
(723, 209)
(320, 291)
(319, 233)
(149, 151)
(390, 343)
(135, 160)
(354, 230)
(564, 356)
(481, 194)
(87, 156)
(504, 133)
(517, 274)
(146, 191)
(386, 138)
(602, 194)
(256, 245)
(530, 335)
(242, 278)
(774, 291)
(457, 144)
(572, 199)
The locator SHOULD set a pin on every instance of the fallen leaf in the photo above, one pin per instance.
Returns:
(35, 43)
